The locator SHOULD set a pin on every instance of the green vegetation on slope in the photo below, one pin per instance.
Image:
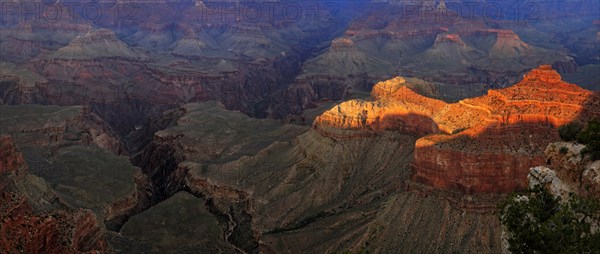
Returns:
(590, 136)
(538, 222)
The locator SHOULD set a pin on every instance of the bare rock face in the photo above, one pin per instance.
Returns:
(520, 121)
(544, 73)
(590, 179)
(451, 38)
(276, 186)
(343, 44)
(565, 158)
(485, 144)
(547, 178)
(76, 179)
(488, 162)
(54, 126)
(396, 108)
(10, 158)
(34, 219)
(54, 232)
(96, 44)
(574, 169)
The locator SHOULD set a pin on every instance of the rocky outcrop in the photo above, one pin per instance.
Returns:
(35, 220)
(10, 157)
(97, 44)
(566, 158)
(548, 179)
(55, 232)
(75, 180)
(522, 120)
(590, 179)
(55, 127)
(580, 174)
(488, 162)
(396, 108)
(496, 137)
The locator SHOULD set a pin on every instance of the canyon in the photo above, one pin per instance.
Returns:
(272, 66)
(33, 217)
(63, 172)
(182, 129)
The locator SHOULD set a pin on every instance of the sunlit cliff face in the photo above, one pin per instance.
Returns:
(483, 144)
(541, 97)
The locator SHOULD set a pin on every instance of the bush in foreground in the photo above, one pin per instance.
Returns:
(538, 222)
(590, 137)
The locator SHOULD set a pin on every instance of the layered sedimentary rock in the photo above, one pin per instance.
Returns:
(280, 184)
(53, 232)
(183, 157)
(484, 144)
(272, 66)
(55, 126)
(170, 57)
(494, 159)
(96, 44)
(10, 157)
(470, 54)
(76, 178)
(34, 219)
(396, 107)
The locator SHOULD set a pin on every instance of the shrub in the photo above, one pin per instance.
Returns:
(541, 224)
(563, 150)
(568, 132)
(590, 137)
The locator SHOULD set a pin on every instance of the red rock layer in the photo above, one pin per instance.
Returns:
(23, 230)
(343, 44)
(10, 157)
(485, 144)
(494, 160)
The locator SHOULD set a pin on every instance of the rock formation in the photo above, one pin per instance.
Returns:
(548, 179)
(32, 221)
(10, 157)
(75, 179)
(573, 169)
(96, 44)
(279, 184)
(484, 144)
(54, 126)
